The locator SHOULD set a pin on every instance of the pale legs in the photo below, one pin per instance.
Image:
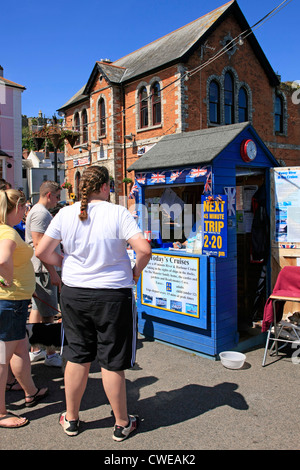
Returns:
(76, 376)
(115, 388)
(18, 358)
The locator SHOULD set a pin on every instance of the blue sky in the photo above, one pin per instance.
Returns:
(51, 47)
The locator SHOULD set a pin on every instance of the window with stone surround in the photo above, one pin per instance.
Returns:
(149, 110)
(280, 113)
(230, 96)
(243, 105)
(214, 102)
(77, 126)
(85, 132)
(101, 117)
(143, 107)
(156, 103)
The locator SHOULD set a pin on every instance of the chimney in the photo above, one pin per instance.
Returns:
(47, 156)
(1, 71)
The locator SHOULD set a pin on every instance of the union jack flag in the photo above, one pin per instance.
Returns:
(134, 189)
(207, 186)
(196, 172)
(231, 195)
(157, 178)
(141, 179)
(175, 175)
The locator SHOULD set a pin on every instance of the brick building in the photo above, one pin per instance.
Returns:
(211, 72)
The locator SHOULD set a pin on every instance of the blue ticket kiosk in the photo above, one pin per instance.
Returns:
(199, 299)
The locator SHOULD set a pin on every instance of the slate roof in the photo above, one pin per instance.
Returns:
(188, 148)
(170, 49)
(79, 96)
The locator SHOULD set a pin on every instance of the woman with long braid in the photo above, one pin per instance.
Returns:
(96, 298)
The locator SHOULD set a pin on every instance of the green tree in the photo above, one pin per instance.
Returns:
(27, 140)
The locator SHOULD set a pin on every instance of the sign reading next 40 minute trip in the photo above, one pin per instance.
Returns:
(214, 225)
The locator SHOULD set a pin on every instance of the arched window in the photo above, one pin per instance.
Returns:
(214, 102)
(278, 114)
(77, 183)
(156, 103)
(243, 105)
(228, 99)
(143, 103)
(85, 132)
(102, 120)
(77, 127)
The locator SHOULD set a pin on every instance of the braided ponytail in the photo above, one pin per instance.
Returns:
(91, 181)
(84, 203)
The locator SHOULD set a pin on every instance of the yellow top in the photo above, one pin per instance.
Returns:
(23, 284)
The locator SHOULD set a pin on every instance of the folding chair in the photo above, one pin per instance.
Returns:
(282, 331)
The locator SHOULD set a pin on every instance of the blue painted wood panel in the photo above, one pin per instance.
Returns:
(216, 330)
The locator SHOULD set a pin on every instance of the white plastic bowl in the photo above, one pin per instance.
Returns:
(232, 359)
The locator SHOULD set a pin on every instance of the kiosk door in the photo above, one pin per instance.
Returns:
(251, 243)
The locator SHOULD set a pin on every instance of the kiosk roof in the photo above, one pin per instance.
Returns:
(188, 148)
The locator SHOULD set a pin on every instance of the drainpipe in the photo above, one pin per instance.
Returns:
(124, 133)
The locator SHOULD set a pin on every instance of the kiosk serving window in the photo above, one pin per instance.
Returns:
(172, 211)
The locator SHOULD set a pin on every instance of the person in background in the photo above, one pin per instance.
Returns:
(98, 308)
(20, 228)
(45, 303)
(197, 227)
(4, 184)
(17, 284)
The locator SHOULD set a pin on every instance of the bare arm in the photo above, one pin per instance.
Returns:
(45, 251)
(7, 248)
(54, 277)
(143, 252)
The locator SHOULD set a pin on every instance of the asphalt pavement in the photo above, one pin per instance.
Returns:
(186, 403)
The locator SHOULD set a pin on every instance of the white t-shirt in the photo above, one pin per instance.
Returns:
(95, 254)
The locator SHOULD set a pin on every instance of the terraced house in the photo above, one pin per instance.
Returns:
(211, 72)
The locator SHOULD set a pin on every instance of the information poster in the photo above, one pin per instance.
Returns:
(287, 204)
(171, 283)
(214, 225)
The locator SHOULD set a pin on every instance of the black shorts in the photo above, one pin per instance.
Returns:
(99, 323)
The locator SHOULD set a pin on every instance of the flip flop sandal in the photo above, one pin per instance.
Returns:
(10, 415)
(9, 387)
(35, 398)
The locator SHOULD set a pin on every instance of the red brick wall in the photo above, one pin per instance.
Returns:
(189, 100)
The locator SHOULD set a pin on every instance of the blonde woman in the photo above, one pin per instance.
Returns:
(96, 298)
(17, 284)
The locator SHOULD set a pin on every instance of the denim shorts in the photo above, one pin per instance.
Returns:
(13, 318)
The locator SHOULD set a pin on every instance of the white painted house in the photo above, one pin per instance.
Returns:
(11, 131)
(40, 167)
